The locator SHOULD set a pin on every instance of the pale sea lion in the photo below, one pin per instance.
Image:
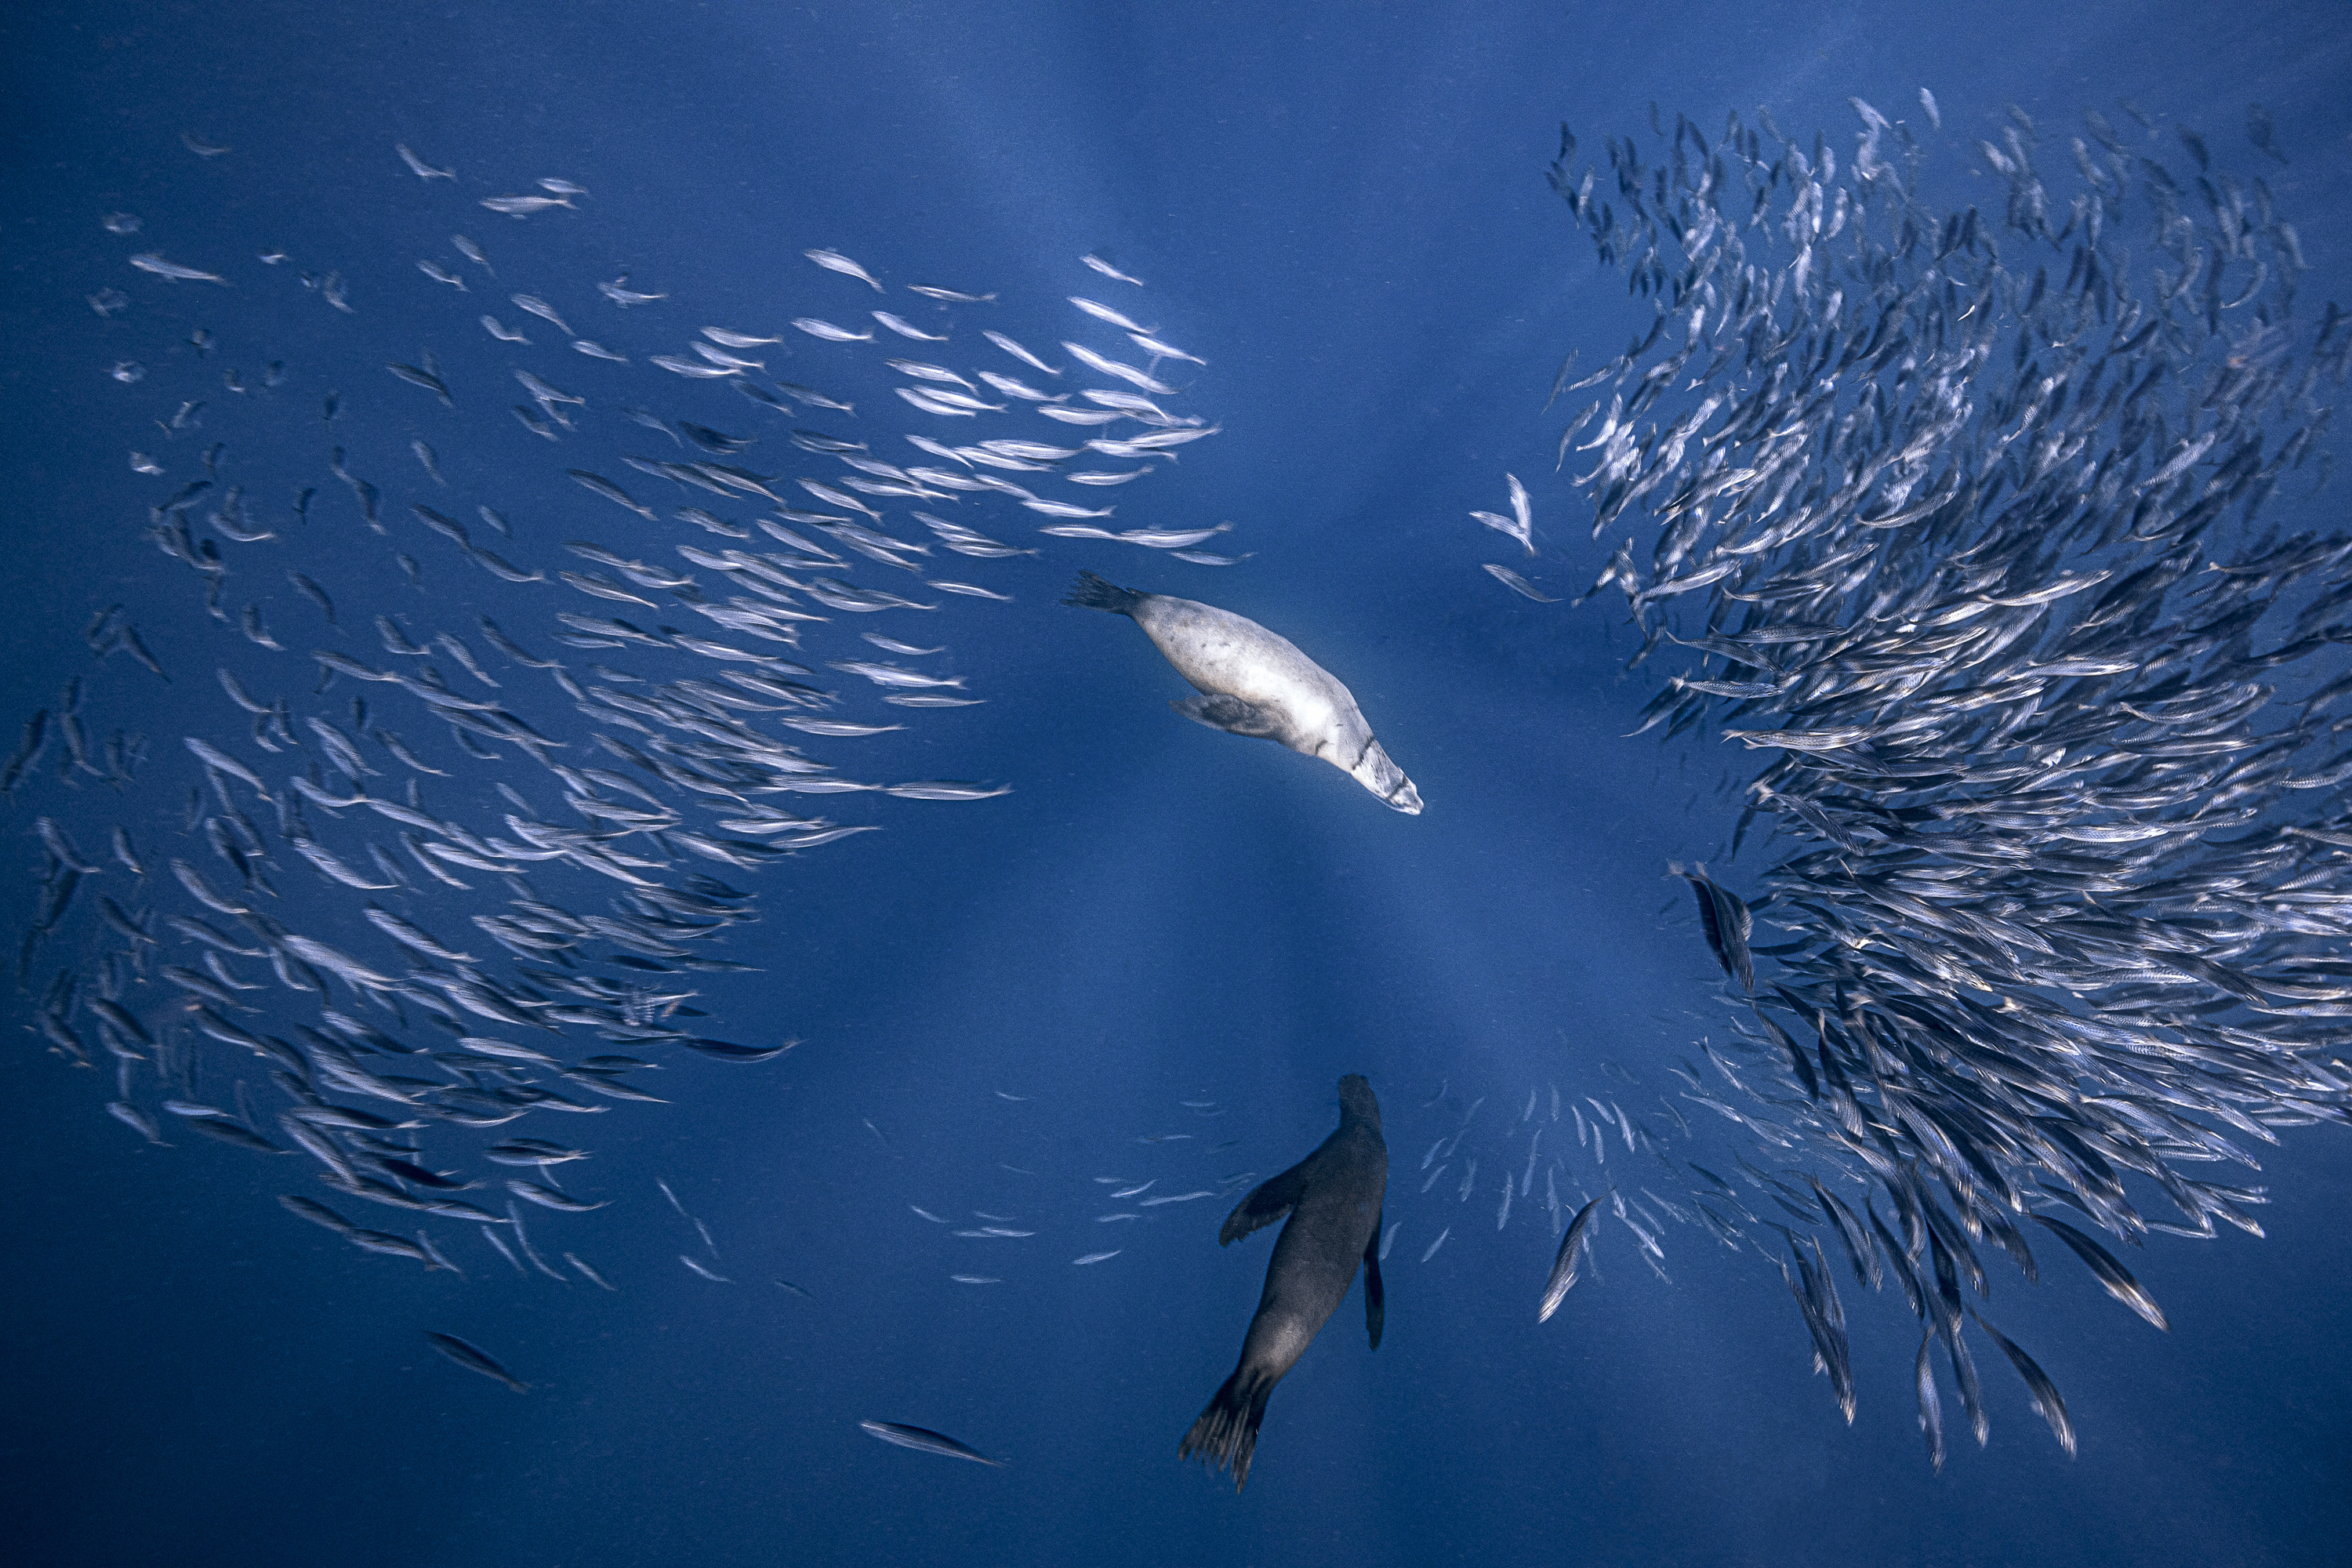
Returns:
(1255, 682)
(1333, 1198)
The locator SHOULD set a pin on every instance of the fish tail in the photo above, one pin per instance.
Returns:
(1226, 1433)
(1093, 592)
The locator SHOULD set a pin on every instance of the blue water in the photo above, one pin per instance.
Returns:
(1342, 210)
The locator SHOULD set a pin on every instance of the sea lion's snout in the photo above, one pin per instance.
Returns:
(1376, 773)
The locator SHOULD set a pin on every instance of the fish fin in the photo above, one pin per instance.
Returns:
(1231, 714)
(1226, 1432)
(1375, 1298)
(1093, 592)
(1268, 1200)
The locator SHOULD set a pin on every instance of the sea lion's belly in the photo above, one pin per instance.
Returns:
(1220, 652)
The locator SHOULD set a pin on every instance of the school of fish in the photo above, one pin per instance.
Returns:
(1956, 517)
(514, 840)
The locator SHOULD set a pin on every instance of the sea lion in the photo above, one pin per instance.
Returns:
(1334, 1200)
(1255, 682)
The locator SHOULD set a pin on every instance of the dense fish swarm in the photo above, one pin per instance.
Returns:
(1956, 514)
(438, 870)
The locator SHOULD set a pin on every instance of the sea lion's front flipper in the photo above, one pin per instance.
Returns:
(1375, 1299)
(1219, 711)
(1272, 1198)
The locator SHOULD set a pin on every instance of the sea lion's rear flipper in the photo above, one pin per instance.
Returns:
(1093, 592)
(1219, 711)
(1268, 1202)
(1375, 1299)
(1226, 1433)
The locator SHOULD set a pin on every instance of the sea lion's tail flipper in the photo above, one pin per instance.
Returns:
(1220, 711)
(1226, 1433)
(1267, 1202)
(1093, 592)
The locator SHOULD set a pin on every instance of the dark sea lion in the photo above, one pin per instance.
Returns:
(1333, 1198)
(1255, 682)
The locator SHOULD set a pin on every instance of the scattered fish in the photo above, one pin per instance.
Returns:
(419, 167)
(922, 1439)
(150, 262)
(475, 1360)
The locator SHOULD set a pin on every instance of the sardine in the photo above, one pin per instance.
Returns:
(833, 261)
(150, 262)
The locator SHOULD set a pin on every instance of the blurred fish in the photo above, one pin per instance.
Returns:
(2038, 1388)
(1159, 350)
(829, 333)
(545, 311)
(1108, 270)
(150, 262)
(1727, 923)
(419, 167)
(620, 293)
(2113, 1276)
(1017, 352)
(524, 206)
(907, 329)
(1121, 370)
(833, 261)
(1102, 312)
(1518, 585)
(475, 1360)
(922, 1439)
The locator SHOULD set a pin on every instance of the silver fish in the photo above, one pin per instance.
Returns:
(1108, 270)
(907, 329)
(524, 206)
(923, 1440)
(150, 262)
(1565, 1262)
(542, 309)
(620, 293)
(1126, 372)
(829, 333)
(419, 167)
(833, 261)
(1017, 352)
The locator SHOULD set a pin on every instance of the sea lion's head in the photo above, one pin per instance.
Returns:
(1356, 1099)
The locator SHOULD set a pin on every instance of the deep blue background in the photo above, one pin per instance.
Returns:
(1343, 209)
